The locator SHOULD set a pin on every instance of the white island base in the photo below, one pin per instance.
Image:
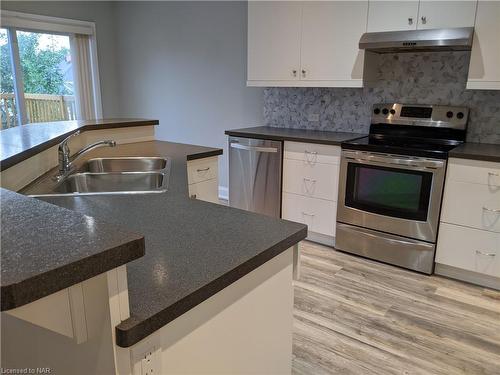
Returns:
(245, 328)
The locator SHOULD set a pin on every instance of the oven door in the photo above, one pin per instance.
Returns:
(391, 193)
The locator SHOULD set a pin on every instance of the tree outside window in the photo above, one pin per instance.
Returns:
(45, 61)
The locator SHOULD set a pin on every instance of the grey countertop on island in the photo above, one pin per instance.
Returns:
(21, 142)
(477, 151)
(45, 248)
(296, 135)
(194, 249)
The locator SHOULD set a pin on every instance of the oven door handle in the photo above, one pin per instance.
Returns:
(434, 164)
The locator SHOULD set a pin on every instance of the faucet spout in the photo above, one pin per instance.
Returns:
(87, 148)
(65, 160)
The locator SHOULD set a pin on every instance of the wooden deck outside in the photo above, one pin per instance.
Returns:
(39, 107)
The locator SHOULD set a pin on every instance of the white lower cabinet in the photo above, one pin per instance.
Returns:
(310, 188)
(470, 249)
(317, 214)
(479, 206)
(313, 180)
(205, 190)
(203, 179)
(468, 245)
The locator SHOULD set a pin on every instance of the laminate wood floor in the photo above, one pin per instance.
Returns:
(357, 316)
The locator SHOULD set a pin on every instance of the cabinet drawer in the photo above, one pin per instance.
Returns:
(202, 169)
(474, 171)
(472, 205)
(470, 249)
(312, 153)
(319, 215)
(313, 180)
(205, 191)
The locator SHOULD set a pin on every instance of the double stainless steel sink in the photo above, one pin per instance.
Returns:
(109, 175)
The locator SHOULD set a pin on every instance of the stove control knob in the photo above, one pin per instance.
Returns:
(393, 112)
(460, 115)
(449, 114)
(385, 111)
(376, 111)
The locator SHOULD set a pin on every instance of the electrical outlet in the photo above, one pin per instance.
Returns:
(146, 356)
(313, 117)
(149, 363)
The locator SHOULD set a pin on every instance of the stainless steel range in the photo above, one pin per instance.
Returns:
(391, 183)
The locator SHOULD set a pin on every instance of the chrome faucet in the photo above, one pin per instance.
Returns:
(66, 161)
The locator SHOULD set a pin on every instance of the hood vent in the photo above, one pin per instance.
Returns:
(454, 39)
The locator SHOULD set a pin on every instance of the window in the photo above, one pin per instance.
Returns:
(48, 70)
(8, 99)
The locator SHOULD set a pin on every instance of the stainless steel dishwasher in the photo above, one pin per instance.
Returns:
(255, 175)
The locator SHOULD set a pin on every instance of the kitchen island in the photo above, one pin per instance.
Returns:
(213, 291)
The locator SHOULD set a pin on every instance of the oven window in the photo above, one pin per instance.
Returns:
(388, 191)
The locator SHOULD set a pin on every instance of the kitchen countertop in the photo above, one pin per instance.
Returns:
(46, 248)
(22, 142)
(296, 135)
(194, 249)
(477, 151)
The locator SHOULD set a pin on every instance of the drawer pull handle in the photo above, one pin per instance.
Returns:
(306, 214)
(311, 157)
(494, 210)
(493, 174)
(309, 180)
(203, 169)
(478, 252)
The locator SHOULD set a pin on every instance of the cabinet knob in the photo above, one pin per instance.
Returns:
(424, 19)
(303, 73)
(294, 72)
(410, 20)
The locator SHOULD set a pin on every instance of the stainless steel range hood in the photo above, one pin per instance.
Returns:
(453, 39)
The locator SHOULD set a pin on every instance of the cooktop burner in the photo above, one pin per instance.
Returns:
(400, 146)
(416, 130)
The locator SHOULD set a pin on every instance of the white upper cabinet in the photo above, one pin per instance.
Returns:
(423, 14)
(392, 15)
(443, 14)
(330, 36)
(484, 68)
(306, 44)
(274, 40)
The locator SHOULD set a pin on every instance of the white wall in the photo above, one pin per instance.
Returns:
(184, 63)
(102, 13)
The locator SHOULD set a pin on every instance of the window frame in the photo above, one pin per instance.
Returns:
(14, 21)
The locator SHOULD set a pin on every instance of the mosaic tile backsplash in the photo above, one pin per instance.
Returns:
(423, 78)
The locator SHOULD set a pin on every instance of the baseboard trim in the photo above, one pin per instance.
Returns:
(468, 276)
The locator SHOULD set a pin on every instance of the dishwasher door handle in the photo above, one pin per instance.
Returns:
(253, 148)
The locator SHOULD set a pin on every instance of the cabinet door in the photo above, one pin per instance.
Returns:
(205, 191)
(484, 68)
(441, 14)
(392, 15)
(330, 37)
(274, 40)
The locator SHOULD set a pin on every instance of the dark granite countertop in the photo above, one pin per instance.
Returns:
(477, 151)
(194, 249)
(296, 135)
(45, 248)
(22, 142)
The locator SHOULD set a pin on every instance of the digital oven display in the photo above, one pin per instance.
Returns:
(416, 112)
